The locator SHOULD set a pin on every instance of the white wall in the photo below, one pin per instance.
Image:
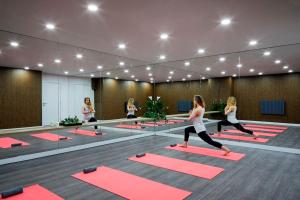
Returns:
(63, 96)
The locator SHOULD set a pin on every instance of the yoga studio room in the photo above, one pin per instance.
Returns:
(150, 99)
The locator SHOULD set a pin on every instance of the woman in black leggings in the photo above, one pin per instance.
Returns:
(230, 111)
(198, 126)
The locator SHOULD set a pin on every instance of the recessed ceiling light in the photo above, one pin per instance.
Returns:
(203, 78)
(183, 79)
(187, 63)
(136, 80)
(126, 70)
(92, 75)
(252, 42)
(164, 36)
(162, 57)
(277, 61)
(207, 69)
(121, 63)
(132, 76)
(201, 51)
(92, 7)
(40, 65)
(189, 75)
(234, 75)
(50, 26)
(168, 80)
(239, 65)
(223, 72)
(116, 78)
(290, 71)
(222, 59)
(26, 68)
(151, 79)
(169, 77)
(57, 61)
(171, 72)
(285, 67)
(251, 70)
(122, 46)
(81, 70)
(14, 44)
(66, 72)
(260, 73)
(148, 68)
(107, 73)
(79, 56)
(150, 74)
(225, 21)
(267, 53)
(99, 67)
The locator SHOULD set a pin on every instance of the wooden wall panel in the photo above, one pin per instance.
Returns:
(110, 95)
(171, 93)
(251, 90)
(21, 98)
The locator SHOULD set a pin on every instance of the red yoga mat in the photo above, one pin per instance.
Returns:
(264, 129)
(183, 166)
(35, 192)
(130, 186)
(128, 126)
(208, 152)
(242, 138)
(83, 132)
(265, 126)
(49, 136)
(6, 142)
(257, 133)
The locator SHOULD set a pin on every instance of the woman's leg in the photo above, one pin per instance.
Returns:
(241, 128)
(205, 137)
(93, 119)
(187, 132)
(222, 123)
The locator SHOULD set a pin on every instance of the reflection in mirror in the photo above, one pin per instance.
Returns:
(54, 79)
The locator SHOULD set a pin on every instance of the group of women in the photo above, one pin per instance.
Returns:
(196, 116)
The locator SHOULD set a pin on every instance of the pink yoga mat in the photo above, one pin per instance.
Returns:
(241, 138)
(6, 142)
(83, 132)
(176, 120)
(147, 124)
(257, 133)
(264, 129)
(183, 166)
(49, 136)
(265, 126)
(208, 152)
(35, 192)
(128, 126)
(131, 186)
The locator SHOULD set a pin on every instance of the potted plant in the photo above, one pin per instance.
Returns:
(70, 121)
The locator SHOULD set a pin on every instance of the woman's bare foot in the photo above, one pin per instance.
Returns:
(226, 149)
(184, 145)
(255, 136)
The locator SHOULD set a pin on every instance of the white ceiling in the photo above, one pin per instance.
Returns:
(192, 24)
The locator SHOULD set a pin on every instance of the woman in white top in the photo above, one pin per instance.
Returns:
(196, 116)
(131, 109)
(88, 111)
(230, 112)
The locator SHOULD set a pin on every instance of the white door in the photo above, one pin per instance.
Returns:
(50, 103)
